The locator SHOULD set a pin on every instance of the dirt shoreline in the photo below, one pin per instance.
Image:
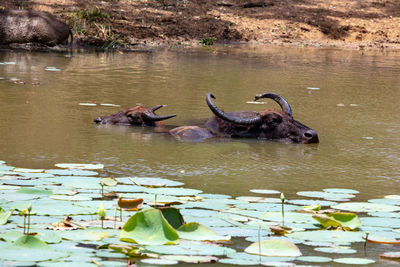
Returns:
(349, 24)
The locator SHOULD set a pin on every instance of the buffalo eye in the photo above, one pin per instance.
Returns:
(274, 121)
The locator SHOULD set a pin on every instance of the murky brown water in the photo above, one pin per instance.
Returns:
(42, 123)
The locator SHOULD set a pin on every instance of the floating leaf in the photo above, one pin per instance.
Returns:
(274, 248)
(30, 248)
(191, 259)
(130, 204)
(338, 250)
(159, 261)
(72, 172)
(294, 217)
(173, 191)
(382, 240)
(70, 198)
(87, 104)
(348, 221)
(108, 181)
(196, 231)
(391, 255)
(325, 195)
(4, 216)
(52, 69)
(358, 261)
(341, 190)
(173, 216)
(328, 236)
(313, 259)
(149, 227)
(365, 207)
(34, 191)
(393, 197)
(192, 248)
(28, 170)
(264, 191)
(109, 105)
(79, 166)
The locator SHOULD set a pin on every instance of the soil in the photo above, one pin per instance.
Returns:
(358, 24)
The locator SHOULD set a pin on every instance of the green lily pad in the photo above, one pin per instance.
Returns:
(264, 191)
(173, 191)
(159, 261)
(274, 248)
(328, 236)
(68, 172)
(173, 217)
(311, 202)
(358, 261)
(85, 235)
(392, 255)
(366, 207)
(338, 250)
(191, 259)
(314, 259)
(71, 198)
(294, 217)
(108, 181)
(341, 190)
(34, 191)
(79, 166)
(149, 227)
(349, 221)
(196, 231)
(149, 181)
(28, 170)
(325, 195)
(30, 248)
(4, 216)
(191, 248)
(387, 201)
(11, 236)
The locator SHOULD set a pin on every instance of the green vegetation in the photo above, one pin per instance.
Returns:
(208, 41)
(164, 223)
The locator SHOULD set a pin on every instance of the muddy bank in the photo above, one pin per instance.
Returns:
(337, 23)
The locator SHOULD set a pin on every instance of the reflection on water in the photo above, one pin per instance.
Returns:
(41, 122)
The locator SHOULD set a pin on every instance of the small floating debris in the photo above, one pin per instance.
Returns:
(255, 102)
(313, 88)
(88, 104)
(340, 105)
(52, 69)
(80, 166)
(367, 137)
(353, 105)
(7, 63)
(109, 105)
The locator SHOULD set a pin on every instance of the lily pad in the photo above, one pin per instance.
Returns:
(4, 216)
(264, 191)
(325, 195)
(274, 248)
(173, 191)
(196, 231)
(366, 207)
(192, 248)
(349, 221)
(341, 190)
(328, 236)
(79, 166)
(338, 250)
(72, 172)
(191, 259)
(314, 259)
(159, 261)
(358, 261)
(149, 227)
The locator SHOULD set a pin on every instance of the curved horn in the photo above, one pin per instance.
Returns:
(278, 99)
(219, 113)
(154, 117)
(158, 107)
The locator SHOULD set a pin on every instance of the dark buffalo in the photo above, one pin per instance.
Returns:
(29, 26)
(137, 116)
(268, 124)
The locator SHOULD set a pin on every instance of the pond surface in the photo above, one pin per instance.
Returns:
(355, 111)
(350, 98)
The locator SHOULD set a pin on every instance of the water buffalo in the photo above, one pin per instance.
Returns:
(268, 124)
(137, 116)
(30, 26)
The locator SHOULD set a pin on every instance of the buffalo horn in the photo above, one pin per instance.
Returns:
(157, 107)
(278, 99)
(219, 113)
(154, 117)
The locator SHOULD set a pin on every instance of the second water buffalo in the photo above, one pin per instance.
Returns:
(30, 26)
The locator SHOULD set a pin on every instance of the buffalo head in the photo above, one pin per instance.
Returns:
(138, 116)
(269, 124)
